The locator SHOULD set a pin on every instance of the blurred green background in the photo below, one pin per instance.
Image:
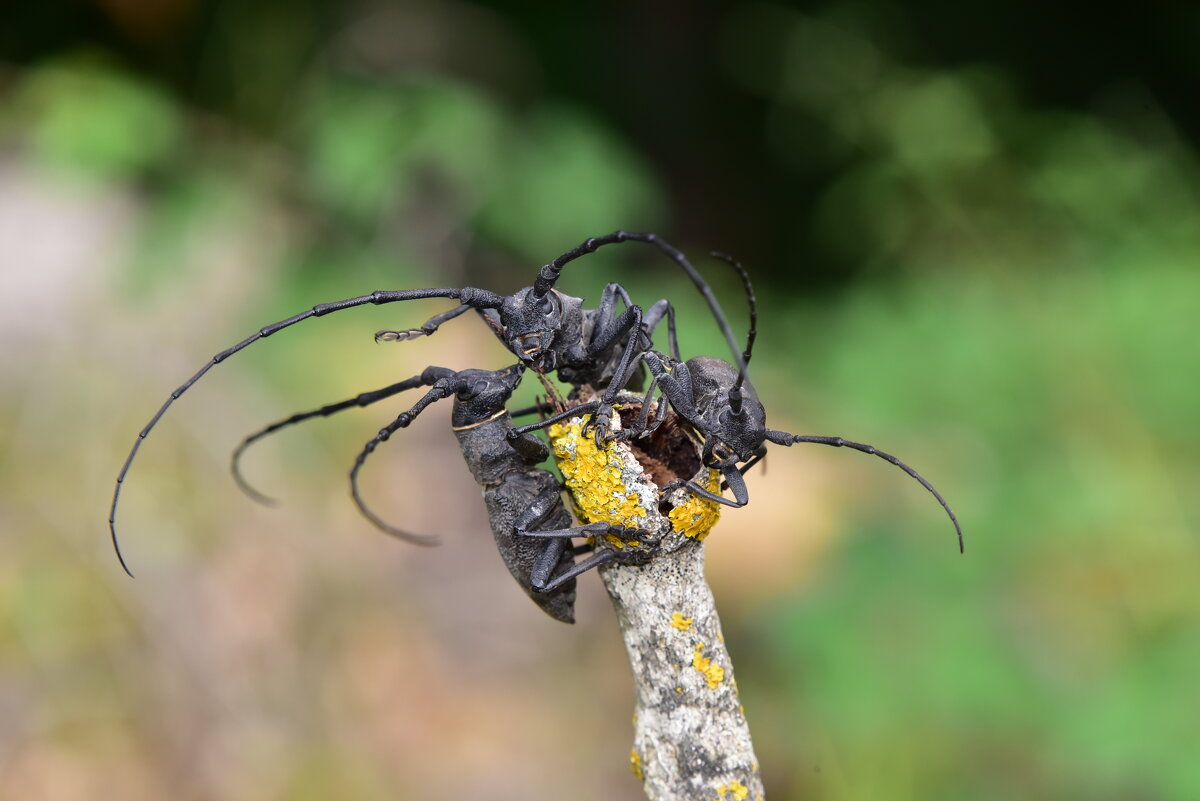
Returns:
(975, 232)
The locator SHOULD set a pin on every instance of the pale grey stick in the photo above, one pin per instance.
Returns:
(691, 739)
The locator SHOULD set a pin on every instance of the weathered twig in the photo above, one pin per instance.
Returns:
(691, 739)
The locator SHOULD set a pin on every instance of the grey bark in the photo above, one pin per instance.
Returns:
(691, 738)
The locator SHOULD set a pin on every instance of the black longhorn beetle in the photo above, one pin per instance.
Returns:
(531, 526)
(718, 401)
(546, 329)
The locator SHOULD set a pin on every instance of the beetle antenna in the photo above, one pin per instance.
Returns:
(550, 272)
(784, 438)
(442, 389)
(363, 399)
(476, 298)
(735, 393)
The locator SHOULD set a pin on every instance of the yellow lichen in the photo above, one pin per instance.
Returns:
(593, 477)
(614, 541)
(598, 492)
(737, 791)
(713, 674)
(697, 516)
(635, 764)
(680, 622)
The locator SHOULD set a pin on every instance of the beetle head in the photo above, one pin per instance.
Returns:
(737, 428)
(486, 392)
(533, 326)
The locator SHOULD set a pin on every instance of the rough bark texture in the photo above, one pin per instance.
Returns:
(691, 739)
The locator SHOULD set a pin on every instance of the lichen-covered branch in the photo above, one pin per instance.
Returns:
(691, 739)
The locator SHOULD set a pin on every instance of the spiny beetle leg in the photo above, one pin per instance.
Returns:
(595, 560)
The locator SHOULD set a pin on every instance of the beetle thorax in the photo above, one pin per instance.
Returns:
(712, 380)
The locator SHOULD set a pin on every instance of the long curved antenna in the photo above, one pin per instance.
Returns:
(364, 399)
(549, 273)
(444, 388)
(784, 438)
(752, 333)
(735, 392)
(477, 298)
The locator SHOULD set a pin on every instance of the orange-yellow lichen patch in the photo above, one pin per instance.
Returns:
(736, 790)
(635, 764)
(697, 516)
(713, 674)
(596, 479)
(593, 477)
(680, 622)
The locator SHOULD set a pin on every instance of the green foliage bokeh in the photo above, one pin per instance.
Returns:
(1019, 328)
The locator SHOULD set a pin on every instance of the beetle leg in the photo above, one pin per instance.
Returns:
(653, 316)
(426, 329)
(595, 560)
(444, 387)
(732, 478)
